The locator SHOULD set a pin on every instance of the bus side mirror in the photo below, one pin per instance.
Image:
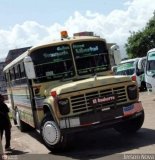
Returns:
(115, 52)
(29, 68)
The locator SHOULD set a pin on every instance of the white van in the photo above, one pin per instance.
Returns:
(150, 70)
(130, 68)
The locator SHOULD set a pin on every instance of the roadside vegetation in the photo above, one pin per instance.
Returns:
(141, 41)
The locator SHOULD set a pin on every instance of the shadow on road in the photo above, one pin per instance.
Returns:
(107, 142)
(101, 143)
(15, 152)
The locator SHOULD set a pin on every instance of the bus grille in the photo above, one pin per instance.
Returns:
(80, 103)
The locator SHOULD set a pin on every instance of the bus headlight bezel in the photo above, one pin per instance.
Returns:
(132, 92)
(64, 106)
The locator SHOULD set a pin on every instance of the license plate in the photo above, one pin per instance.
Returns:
(129, 110)
(102, 100)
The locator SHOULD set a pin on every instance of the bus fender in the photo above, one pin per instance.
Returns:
(48, 109)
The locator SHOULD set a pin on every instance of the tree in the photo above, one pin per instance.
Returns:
(140, 42)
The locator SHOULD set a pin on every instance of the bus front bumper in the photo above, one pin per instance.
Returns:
(102, 118)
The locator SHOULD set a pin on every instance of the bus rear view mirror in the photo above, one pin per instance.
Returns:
(114, 50)
(29, 68)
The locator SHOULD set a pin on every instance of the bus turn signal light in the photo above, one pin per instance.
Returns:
(54, 94)
(133, 78)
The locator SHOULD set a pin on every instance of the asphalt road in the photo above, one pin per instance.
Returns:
(102, 144)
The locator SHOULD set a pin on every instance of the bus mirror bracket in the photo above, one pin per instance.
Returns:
(114, 69)
(29, 68)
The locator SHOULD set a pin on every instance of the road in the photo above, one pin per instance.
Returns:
(102, 144)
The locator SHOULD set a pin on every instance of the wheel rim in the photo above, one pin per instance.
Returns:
(51, 133)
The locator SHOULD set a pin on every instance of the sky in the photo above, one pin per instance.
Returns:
(26, 23)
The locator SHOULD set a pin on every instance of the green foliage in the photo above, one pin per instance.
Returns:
(140, 42)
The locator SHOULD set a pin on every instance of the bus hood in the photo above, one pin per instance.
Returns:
(89, 83)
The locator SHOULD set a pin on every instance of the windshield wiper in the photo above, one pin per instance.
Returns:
(64, 78)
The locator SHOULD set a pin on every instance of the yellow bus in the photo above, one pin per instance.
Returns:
(67, 86)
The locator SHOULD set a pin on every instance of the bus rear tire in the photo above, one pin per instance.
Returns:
(131, 126)
(53, 139)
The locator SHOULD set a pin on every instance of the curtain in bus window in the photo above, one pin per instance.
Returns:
(54, 62)
(90, 56)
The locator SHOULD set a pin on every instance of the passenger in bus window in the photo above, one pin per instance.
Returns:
(5, 123)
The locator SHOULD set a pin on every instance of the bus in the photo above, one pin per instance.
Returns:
(130, 68)
(150, 71)
(67, 86)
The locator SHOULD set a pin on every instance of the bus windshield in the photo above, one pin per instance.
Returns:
(90, 57)
(53, 63)
(125, 68)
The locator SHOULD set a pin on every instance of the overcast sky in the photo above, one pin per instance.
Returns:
(28, 22)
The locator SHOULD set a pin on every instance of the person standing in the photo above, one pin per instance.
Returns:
(5, 123)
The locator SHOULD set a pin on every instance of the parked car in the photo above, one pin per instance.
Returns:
(130, 68)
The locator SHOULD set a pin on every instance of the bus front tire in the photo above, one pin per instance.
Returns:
(53, 139)
(131, 126)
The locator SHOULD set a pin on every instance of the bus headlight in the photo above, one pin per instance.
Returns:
(132, 92)
(64, 106)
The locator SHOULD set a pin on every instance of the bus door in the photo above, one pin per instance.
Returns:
(32, 101)
(29, 69)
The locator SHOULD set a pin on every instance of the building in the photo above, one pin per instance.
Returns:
(2, 78)
(12, 54)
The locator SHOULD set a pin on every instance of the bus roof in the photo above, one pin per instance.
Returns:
(62, 41)
(19, 58)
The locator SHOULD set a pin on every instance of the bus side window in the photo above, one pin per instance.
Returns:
(9, 74)
(19, 71)
(6, 77)
(22, 73)
(12, 74)
(22, 70)
(17, 75)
